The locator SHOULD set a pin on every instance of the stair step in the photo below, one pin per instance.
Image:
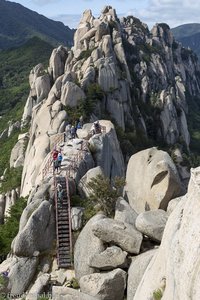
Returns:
(66, 241)
(66, 237)
(63, 266)
(63, 226)
(64, 261)
(64, 250)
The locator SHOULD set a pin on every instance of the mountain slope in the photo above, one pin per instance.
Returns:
(15, 65)
(18, 24)
(189, 36)
(186, 30)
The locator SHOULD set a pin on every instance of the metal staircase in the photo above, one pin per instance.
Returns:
(63, 213)
(63, 225)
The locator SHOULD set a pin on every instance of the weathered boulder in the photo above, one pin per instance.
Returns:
(31, 238)
(82, 186)
(38, 286)
(10, 200)
(74, 151)
(152, 223)
(106, 151)
(105, 286)
(137, 270)
(57, 62)
(71, 94)
(13, 126)
(151, 180)
(21, 274)
(76, 217)
(174, 202)
(35, 155)
(113, 257)
(59, 293)
(84, 249)
(175, 268)
(17, 155)
(121, 234)
(124, 212)
(42, 87)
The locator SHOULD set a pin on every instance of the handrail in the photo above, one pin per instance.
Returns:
(56, 202)
(58, 138)
(69, 217)
(61, 138)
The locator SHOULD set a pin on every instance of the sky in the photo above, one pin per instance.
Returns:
(172, 12)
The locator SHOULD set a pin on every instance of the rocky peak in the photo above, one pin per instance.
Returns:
(137, 77)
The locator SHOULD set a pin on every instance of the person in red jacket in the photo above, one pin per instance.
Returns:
(55, 159)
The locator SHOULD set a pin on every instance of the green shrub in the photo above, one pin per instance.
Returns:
(12, 179)
(11, 226)
(157, 294)
(74, 283)
(94, 94)
(105, 193)
(85, 54)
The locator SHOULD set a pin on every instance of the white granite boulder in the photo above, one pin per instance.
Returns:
(105, 286)
(152, 223)
(122, 234)
(152, 180)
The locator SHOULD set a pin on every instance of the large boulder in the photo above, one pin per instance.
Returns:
(124, 212)
(17, 155)
(57, 62)
(106, 151)
(84, 249)
(113, 257)
(59, 293)
(152, 223)
(121, 234)
(35, 155)
(21, 274)
(136, 271)
(152, 180)
(175, 268)
(71, 94)
(82, 186)
(105, 286)
(31, 239)
(38, 286)
(77, 218)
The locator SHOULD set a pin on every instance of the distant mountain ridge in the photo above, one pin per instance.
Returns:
(189, 36)
(18, 24)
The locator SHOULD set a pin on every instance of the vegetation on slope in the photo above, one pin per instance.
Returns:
(15, 66)
(10, 228)
(189, 36)
(18, 24)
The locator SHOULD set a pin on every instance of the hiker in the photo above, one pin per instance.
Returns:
(59, 159)
(55, 156)
(96, 128)
(5, 273)
(60, 194)
(79, 126)
(73, 132)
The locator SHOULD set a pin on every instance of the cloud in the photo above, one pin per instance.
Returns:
(172, 12)
(44, 2)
